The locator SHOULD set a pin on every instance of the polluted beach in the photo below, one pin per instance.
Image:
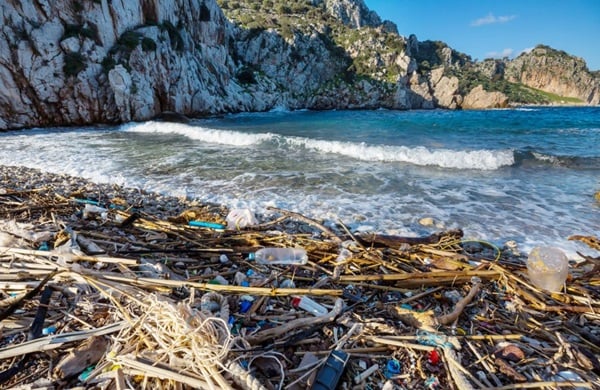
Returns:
(295, 195)
(111, 287)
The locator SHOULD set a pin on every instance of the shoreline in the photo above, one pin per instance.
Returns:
(385, 298)
(176, 117)
(26, 179)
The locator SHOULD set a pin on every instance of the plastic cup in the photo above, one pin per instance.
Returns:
(548, 268)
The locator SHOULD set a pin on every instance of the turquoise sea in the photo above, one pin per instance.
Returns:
(524, 174)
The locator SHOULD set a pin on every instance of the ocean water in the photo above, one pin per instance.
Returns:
(526, 174)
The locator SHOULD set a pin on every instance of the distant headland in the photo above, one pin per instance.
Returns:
(66, 63)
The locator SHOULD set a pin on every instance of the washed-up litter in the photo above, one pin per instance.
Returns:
(116, 290)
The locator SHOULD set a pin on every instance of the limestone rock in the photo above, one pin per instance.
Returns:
(445, 89)
(556, 72)
(478, 98)
(355, 13)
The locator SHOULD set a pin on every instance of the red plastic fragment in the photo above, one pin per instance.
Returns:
(433, 357)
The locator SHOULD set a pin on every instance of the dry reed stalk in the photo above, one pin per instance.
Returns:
(56, 341)
(146, 282)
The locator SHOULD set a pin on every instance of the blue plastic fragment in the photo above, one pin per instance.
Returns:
(245, 306)
(86, 373)
(49, 330)
(88, 201)
(392, 368)
(210, 225)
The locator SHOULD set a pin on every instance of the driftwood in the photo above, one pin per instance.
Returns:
(288, 328)
(397, 241)
(86, 354)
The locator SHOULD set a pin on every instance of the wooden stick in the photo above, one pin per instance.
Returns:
(460, 306)
(289, 327)
(395, 343)
(425, 278)
(542, 385)
(103, 259)
(162, 373)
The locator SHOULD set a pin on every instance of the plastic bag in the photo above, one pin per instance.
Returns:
(240, 218)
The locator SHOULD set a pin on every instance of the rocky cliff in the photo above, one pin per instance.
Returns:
(76, 62)
(80, 62)
(556, 72)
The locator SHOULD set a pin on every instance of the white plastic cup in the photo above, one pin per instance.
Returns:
(548, 268)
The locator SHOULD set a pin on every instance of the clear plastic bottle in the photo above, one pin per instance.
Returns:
(296, 256)
(305, 303)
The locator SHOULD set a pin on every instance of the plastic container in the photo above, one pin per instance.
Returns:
(330, 373)
(305, 303)
(547, 268)
(296, 256)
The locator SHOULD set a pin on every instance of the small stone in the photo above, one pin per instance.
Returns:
(510, 352)
(427, 221)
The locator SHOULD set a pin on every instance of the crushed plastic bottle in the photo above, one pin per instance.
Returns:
(309, 305)
(91, 209)
(295, 256)
(548, 268)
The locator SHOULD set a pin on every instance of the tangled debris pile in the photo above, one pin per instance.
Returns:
(104, 287)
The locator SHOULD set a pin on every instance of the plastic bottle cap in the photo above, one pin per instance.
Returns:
(245, 306)
(296, 301)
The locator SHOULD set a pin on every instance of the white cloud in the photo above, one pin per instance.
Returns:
(504, 53)
(492, 19)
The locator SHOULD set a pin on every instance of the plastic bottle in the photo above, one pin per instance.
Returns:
(296, 256)
(548, 268)
(309, 305)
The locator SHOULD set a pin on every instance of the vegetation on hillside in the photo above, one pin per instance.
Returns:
(290, 17)
(373, 51)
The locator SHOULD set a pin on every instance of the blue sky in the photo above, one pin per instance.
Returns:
(487, 28)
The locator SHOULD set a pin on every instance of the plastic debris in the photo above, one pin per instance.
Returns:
(368, 310)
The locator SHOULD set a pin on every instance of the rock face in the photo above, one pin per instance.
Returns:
(354, 13)
(64, 62)
(556, 72)
(67, 62)
(478, 99)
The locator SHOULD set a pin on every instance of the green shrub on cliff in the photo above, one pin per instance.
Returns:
(74, 63)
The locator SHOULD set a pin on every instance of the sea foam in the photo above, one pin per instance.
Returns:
(445, 158)
(198, 133)
(420, 155)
